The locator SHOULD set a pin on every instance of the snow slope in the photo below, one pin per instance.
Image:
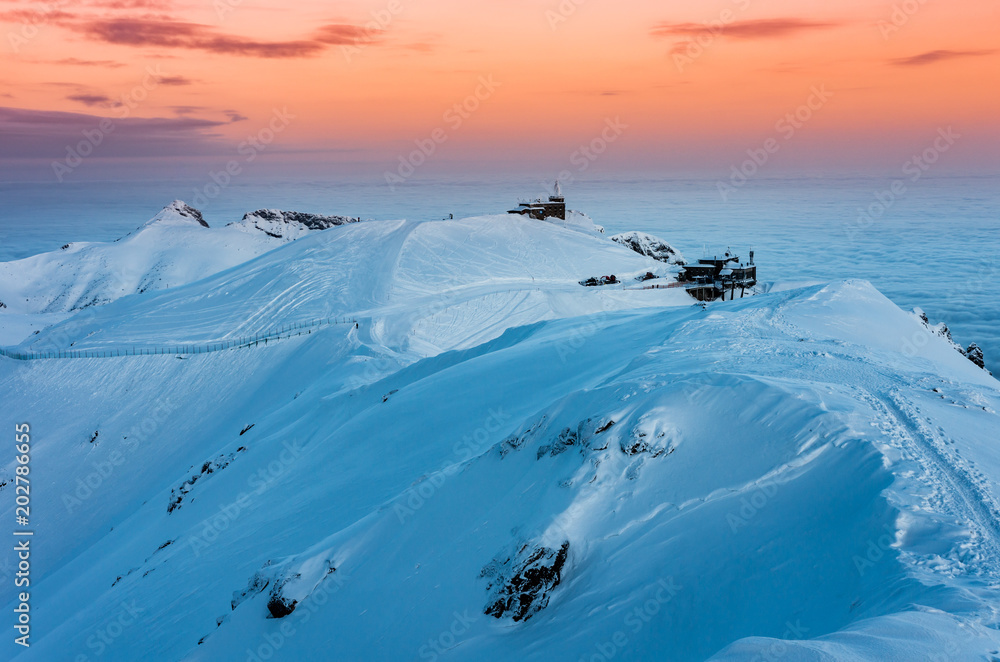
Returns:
(423, 286)
(173, 248)
(810, 474)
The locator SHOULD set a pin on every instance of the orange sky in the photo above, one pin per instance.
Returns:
(363, 96)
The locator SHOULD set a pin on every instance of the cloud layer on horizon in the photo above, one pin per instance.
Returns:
(47, 134)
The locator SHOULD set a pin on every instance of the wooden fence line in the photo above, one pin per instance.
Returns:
(287, 331)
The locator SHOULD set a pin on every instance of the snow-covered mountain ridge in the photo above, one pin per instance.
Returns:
(288, 225)
(173, 248)
(498, 463)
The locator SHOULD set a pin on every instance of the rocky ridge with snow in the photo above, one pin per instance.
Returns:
(647, 244)
(279, 224)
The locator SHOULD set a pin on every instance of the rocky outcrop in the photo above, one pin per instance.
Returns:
(650, 246)
(278, 604)
(187, 211)
(641, 441)
(290, 224)
(178, 494)
(291, 582)
(255, 585)
(520, 584)
(974, 353)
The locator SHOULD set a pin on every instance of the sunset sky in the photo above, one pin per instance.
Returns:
(353, 86)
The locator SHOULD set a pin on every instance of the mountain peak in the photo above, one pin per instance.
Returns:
(184, 210)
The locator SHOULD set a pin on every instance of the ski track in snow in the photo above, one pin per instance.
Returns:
(952, 479)
(965, 498)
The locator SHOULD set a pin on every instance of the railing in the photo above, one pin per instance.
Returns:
(287, 331)
(658, 286)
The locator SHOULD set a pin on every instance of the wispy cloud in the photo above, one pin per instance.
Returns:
(345, 34)
(151, 23)
(174, 80)
(179, 34)
(932, 57)
(94, 100)
(72, 61)
(767, 28)
(45, 134)
(162, 5)
(187, 110)
(35, 16)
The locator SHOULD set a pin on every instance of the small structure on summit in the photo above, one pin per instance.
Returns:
(709, 278)
(554, 207)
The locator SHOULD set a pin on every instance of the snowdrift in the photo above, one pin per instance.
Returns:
(497, 463)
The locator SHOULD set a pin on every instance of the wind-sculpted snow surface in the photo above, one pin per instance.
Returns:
(498, 464)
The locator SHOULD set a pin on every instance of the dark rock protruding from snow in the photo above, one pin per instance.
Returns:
(187, 211)
(178, 493)
(256, 585)
(279, 224)
(278, 604)
(642, 440)
(975, 354)
(650, 246)
(520, 584)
